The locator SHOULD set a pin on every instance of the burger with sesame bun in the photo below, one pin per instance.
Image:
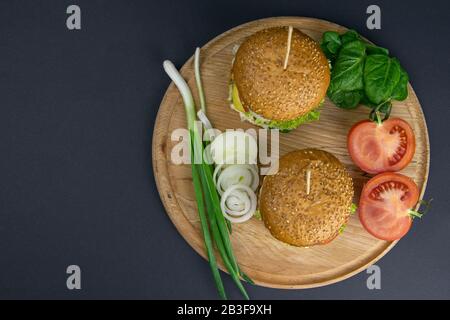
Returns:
(279, 78)
(309, 200)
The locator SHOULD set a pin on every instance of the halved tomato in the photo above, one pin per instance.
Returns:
(385, 204)
(377, 148)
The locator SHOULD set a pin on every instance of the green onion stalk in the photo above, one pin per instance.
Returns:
(201, 95)
(216, 232)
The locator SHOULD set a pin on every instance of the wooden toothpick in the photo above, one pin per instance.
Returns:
(308, 181)
(288, 51)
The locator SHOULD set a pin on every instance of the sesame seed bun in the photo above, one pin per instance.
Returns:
(299, 219)
(272, 92)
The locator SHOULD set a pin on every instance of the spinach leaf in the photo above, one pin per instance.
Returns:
(346, 87)
(349, 36)
(347, 74)
(330, 44)
(365, 101)
(362, 73)
(372, 49)
(400, 91)
(381, 75)
(346, 99)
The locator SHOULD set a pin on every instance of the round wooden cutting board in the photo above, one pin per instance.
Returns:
(266, 260)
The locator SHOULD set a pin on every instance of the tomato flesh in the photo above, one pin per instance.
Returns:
(377, 148)
(385, 203)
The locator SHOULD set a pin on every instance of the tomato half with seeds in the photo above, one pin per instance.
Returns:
(386, 203)
(376, 148)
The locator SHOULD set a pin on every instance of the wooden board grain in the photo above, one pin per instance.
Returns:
(266, 260)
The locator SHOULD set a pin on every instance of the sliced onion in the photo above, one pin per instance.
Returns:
(217, 170)
(236, 175)
(238, 203)
(255, 172)
(227, 175)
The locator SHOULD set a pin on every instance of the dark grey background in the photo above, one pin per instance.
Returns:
(77, 110)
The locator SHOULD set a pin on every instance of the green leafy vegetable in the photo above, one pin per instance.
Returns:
(363, 73)
(346, 99)
(346, 86)
(381, 75)
(349, 36)
(400, 91)
(331, 43)
(348, 70)
(372, 49)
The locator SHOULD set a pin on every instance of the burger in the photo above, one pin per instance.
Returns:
(309, 200)
(279, 78)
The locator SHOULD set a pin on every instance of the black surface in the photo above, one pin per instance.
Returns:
(76, 116)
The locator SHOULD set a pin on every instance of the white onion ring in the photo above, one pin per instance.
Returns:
(217, 171)
(239, 192)
(235, 182)
(240, 200)
(254, 169)
(235, 203)
(227, 175)
(232, 175)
